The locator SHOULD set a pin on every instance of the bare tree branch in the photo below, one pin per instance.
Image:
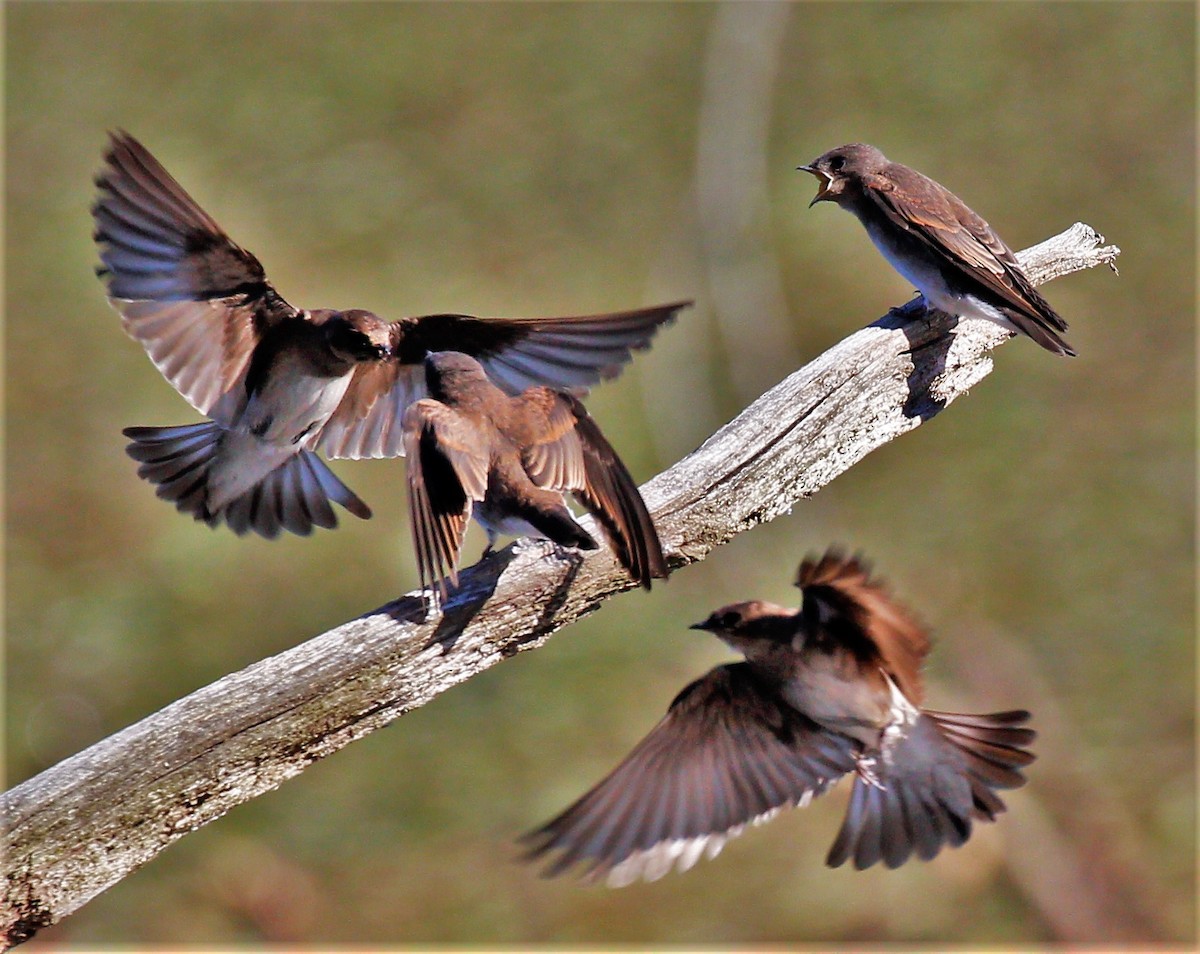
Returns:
(84, 824)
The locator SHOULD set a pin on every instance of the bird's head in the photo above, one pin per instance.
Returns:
(838, 170)
(449, 372)
(358, 335)
(754, 628)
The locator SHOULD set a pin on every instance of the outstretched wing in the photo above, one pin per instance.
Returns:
(517, 353)
(727, 754)
(844, 603)
(447, 472)
(564, 450)
(197, 302)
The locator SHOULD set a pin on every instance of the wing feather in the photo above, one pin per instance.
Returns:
(196, 301)
(963, 239)
(727, 753)
(859, 612)
(564, 450)
(574, 352)
(447, 473)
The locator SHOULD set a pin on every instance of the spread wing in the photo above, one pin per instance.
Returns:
(517, 353)
(447, 472)
(197, 302)
(727, 754)
(367, 421)
(858, 612)
(565, 451)
(936, 217)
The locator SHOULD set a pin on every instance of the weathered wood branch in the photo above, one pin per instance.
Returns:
(84, 824)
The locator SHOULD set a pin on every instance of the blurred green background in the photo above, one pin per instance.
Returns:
(545, 159)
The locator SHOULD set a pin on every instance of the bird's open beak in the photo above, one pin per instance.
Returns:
(823, 188)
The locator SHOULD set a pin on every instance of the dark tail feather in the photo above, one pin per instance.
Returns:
(1042, 333)
(1040, 321)
(295, 496)
(177, 460)
(548, 513)
(994, 750)
(938, 778)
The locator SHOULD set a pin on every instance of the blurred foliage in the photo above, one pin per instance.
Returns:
(540, 159)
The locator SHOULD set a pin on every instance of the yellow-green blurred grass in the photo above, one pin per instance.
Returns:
(530, 159)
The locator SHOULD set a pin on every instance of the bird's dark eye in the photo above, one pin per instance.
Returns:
(350, 341)
(729, 620)
(836, 163)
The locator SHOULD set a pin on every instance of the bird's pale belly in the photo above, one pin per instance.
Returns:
(279, 421)
(930, 282)
(852, 706)
(292, 409)
(925, 277)
(500, 524)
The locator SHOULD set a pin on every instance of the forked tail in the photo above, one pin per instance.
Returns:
(295, 496)
(923, 792)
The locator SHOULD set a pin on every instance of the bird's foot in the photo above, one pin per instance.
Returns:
(913, 308)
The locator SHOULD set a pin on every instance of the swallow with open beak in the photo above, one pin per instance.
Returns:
(927, 234)
(830, 689)
(281, 383)
(507, 460)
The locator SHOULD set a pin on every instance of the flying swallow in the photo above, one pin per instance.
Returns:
(829, 689)
(281, 383)
(929, 236)
(507, 460)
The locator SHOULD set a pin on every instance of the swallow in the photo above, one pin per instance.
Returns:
(281, 384)
(507, 461)
(950, 254)
(827, 690)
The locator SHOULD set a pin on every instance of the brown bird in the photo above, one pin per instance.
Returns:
(508, 460)
(929, 236)
(831, 688)
(280, 383)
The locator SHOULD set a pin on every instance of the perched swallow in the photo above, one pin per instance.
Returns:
(507, 460)
(831, 688)
(280, 383)
(929, 236)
